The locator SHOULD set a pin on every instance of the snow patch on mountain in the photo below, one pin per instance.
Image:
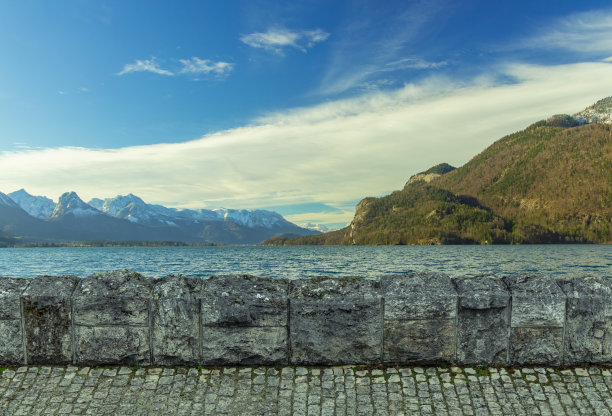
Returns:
(37, 206)
(252, 218)
(70, 203)
(598, 113)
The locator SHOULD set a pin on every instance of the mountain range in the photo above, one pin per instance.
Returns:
(25, 218)
(549, 183)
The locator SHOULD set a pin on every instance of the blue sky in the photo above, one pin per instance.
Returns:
(302, 106)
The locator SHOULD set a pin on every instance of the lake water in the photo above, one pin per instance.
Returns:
(296, 262)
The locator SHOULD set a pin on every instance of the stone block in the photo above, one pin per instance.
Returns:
(243, 300)
(118, 297)
(264, 345)
(588, 326)
(537, 302)
(419, 318)
(535, 346)
(112, 345)
(422, 341)
(11, 346)
(10, 297)
(176, 321)
(11, 332)
(419, 296)
(335, 321)
(244, 320)
(483, 320)
(48, 319)
(537, 319)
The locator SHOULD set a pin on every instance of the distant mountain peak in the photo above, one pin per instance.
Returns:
(70, 203)
(7, 201)
(37, 206)
(598, 113)
(431, 173)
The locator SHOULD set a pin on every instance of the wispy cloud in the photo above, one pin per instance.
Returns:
(277, 39)
(357, 65)
(146, 65)
(199, 66)
(339, 151)
(192, 66)
(586, 32)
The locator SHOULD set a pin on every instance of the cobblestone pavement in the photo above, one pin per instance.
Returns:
(305, 391)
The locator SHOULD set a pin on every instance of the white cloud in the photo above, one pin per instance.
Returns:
(333, 152)
(587, 32)
(277, 39)
(199, 66)
(146, 65)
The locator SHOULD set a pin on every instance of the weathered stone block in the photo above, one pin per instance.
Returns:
(538, 316)
(537, 301)
(482, 320)
(176, 320)
(266, 345)
(244, 320)
(48, 319)
(11, 332)
(112, 345)
(424, 341)
(588, 326)
(535, 346)
(118, 297)
(419, 318)
(243, 300)
(419, 296)
(335, 321)
(11, 346)
(10, 297)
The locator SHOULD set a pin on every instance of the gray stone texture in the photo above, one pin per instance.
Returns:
(48, 319)
(588, 327)
(419, 318)
(119, 297)
(536, 324)
(234, 345)
(11, 332)
(335, 321)
(112, 345)
(244, 320)
(176, 320)
(111, 315)
(482, 320)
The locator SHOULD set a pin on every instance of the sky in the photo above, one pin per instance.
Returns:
(304, 107)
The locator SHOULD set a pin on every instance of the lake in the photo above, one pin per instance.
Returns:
(296, 262)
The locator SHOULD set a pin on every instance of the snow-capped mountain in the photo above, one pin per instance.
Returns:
(70, 203)
(37, 206)
(598, 113)
(133, 208)
(252, 218)
(5, 200)
(128, 217)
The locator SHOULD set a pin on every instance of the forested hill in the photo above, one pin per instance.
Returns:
(550, 183)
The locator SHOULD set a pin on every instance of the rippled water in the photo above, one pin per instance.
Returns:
(295, 262)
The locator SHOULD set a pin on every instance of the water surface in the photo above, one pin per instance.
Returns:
(296, 262)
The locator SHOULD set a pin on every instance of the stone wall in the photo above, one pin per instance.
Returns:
(121, 317)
